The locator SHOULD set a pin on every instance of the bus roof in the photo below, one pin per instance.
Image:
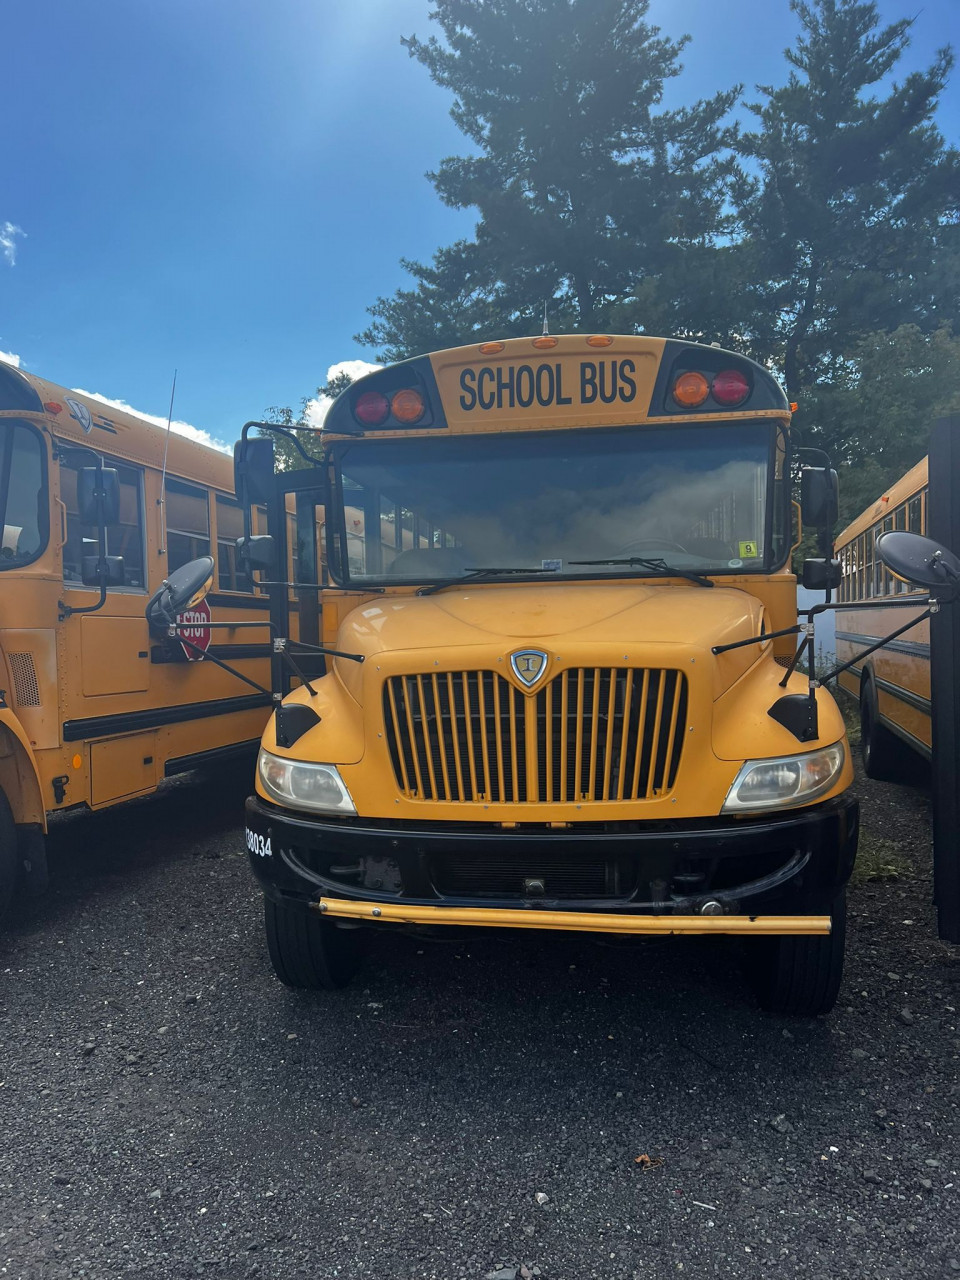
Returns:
(549, 382)
(124, 434)
(909, 484)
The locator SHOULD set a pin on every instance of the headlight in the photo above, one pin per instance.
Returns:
(304, 785)
(790, 780)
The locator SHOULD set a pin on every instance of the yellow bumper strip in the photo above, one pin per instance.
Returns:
(582, 921)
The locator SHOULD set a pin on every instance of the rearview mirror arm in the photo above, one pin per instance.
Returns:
(844, 666)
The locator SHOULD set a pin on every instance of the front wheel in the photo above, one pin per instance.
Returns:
(8, 855)
(801, 974)
(308, 951)
(882, 751)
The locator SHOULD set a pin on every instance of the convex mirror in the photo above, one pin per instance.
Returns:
(920, 561)
(184, 588)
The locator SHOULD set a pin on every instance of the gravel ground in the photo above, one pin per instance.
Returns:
(471, 1107)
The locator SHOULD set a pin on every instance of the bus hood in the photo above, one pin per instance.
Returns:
(573, 623)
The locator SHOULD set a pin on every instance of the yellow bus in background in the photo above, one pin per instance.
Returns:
(558, 617)
(892, 685)
(93, 709)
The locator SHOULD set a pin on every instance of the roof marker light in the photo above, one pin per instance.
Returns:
(691, 389)
(490, 348)
(371, 409)
(543, 342)
(730, 387)
(407, 406)
(599, 340)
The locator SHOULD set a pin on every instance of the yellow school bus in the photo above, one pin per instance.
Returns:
(892, 685)
(557, 692)
(93, 709)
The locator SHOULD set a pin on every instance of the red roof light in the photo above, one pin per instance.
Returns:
(371, 409)
(730, 387)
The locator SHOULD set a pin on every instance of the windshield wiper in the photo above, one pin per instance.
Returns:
(473, 575)
(657, 566)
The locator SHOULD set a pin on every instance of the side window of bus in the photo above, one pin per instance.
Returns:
(125, 538)
(188, 523)
(915, 514)
(229, 529)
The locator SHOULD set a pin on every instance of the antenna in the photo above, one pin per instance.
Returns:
(162, 500)
(546, 331)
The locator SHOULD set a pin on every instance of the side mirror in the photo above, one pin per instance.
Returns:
(258, 552)
(253, 470)
(113, 571)
(98, 495)
(819, 497)
(921, 561)
(822, 575)
(184, 588)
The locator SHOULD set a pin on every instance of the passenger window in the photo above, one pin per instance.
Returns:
(125, 538)
(229, 529)
(188, 523)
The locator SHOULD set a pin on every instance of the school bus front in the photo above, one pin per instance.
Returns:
(557, 566)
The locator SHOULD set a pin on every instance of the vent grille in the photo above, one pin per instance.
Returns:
(25, 685)
(591, 734)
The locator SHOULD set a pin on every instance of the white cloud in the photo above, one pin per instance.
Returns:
(316, 409)
(181, 428)
(8, 241)
(9, 358)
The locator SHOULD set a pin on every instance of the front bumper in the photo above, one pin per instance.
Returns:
(625, 879)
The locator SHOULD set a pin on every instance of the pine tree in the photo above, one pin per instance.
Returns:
(847, 201)
(588, 192)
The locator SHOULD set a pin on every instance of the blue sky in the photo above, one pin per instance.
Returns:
(223, 186)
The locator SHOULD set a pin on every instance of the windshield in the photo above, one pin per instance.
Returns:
(700, 498)
(24, 518)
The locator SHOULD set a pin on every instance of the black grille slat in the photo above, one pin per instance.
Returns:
(597, 734)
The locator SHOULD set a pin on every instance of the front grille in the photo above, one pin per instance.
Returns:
(563, 874)
(25, 685)
(590, 734)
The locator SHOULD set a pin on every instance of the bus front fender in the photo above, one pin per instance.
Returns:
(19, 774)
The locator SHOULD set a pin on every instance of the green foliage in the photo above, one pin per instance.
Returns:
(288, 456)
(845, 198)
(825, 241)
(587, 192)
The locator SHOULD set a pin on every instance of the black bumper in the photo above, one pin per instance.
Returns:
(793, 863)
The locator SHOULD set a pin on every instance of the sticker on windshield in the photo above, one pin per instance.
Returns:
(555, 565)
(748, 549)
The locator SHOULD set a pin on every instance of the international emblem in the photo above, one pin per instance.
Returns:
(528, 665)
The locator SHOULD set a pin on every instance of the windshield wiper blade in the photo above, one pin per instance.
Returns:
(658, 567)
(474, 574)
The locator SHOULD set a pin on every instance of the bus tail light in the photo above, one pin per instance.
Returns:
(407, 406)
(730, 387)
(691, 389)
(371, 409)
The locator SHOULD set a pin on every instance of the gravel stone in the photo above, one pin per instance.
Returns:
(479, 1081)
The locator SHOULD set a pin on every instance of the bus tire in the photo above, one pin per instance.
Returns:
(309, 952)
(881, 751)
(9, 859)
(800, 974)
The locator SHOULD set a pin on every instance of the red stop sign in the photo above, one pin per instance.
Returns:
(196, 628)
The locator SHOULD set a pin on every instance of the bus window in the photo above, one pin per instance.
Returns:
(125, 538)
(229, 529)
(188, 523)
(915, 514)
(24, 518)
